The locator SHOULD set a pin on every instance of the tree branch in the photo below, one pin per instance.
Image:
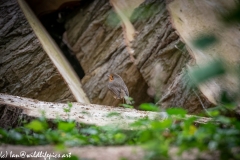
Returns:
(55, 54)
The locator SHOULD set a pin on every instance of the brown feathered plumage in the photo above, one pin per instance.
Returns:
(117, 86)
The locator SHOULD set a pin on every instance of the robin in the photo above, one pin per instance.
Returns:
(118, 88)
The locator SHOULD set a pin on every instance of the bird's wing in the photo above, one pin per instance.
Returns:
(121, 85)
(125, 90)
(124, 87)
(115, 90)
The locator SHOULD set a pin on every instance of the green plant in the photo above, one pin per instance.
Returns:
(158, 137)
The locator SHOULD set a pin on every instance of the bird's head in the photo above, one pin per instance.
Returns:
(113, 76)
(110, 77)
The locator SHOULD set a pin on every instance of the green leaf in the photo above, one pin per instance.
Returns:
(119, 137)
(60, 147)
(91, 131)
(112, 19)
(214, 113)
(66, 126)
(126, 106)
(145, 136)
(3, 133)
(206, 72)
(128, 98)
(227, 100)
(15, 135)
(68, 156)
(112, 114)
(141, 122)
(224, 120)
(144, 12)
(212, 145)
(176, 111)
(149, 107)
(36, 126)
(161, 124)
(204, 41)
(70, 105)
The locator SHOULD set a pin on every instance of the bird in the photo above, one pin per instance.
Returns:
(117, 87)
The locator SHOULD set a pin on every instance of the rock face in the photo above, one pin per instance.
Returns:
(100, 49)
(25, 69)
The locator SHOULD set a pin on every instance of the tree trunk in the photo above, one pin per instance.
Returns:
(27, 71)
(196, 19)
(88, 114)
(25, 68)
(100, 49)
(84, 113)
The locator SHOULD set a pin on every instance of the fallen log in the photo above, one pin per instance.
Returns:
(84, 113)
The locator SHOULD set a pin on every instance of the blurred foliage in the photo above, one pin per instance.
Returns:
(204, 41)
(145, 11)
(128, 102)
(205, 72)
(149, 107)
(112, 19)
(141, 13)
(221, 134)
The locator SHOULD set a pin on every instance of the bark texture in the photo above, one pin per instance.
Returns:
(25, 69)
(100, 49)
(195, 19)
(84, 113)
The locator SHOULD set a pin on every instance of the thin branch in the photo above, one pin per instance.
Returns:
(55, 54)
(202, 103)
